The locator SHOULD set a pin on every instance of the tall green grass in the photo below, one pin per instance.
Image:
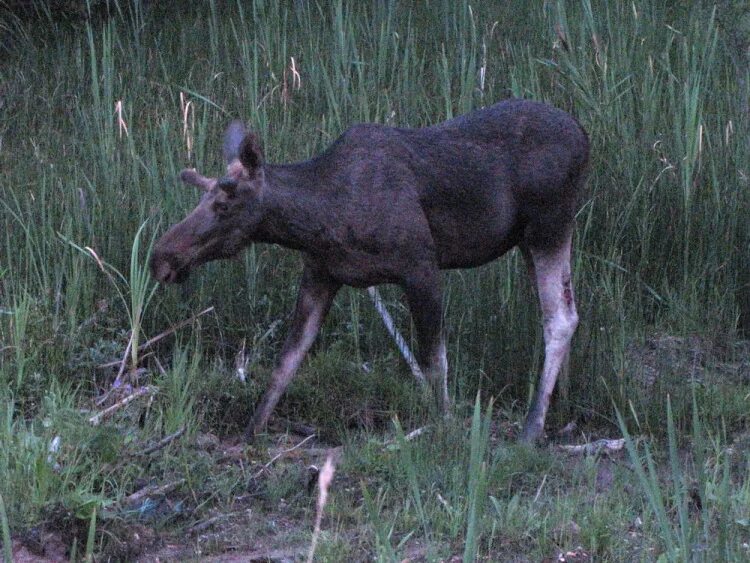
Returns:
(702, 535)
(648, 82)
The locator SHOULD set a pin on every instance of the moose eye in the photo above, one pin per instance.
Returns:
(221, 207)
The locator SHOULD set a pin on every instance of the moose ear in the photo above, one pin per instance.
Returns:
(233, 139)
(250, 155)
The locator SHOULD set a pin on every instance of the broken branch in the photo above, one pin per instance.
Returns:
(596, 447)
(279, 455)
(163, 442)
(153, 490)
(158, 337)
(147, 390)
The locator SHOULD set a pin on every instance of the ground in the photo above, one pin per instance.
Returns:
(257, 502)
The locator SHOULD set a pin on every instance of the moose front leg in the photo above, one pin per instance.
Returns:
(424, 294)
(316, 293)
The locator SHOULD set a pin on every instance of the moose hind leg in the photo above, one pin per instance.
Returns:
(557, 300)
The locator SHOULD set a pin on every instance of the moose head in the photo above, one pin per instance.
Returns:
(223, 222)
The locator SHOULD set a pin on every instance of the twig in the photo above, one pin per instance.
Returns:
(163, 442)
(158, 337)
(153, 490)
(396, 335)
(410, 436)
(200, 526)
(147, 390)
(280, 454)
(124, 360)
(541, 486)
(173, 329)
(596, 446)
(444, 502)
(161, 367)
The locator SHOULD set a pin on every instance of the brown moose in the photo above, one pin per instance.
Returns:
(396, 205)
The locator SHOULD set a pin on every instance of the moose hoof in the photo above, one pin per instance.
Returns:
(532, 432)
(249, 435)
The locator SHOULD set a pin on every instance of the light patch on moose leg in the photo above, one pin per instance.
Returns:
(425, 298)
(313, 303)
(560, 319)
(437, 374)
(444, 374)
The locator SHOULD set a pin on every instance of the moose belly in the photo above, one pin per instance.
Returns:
(475, 249)
(364, 270)
(467, 242)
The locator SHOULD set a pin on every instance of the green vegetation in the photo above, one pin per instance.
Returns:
(99, 113)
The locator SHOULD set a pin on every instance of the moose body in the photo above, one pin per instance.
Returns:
(397, 205)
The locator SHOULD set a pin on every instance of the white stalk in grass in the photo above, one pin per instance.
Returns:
(324, 482)
(188, 124)
(142, 288)
(390, 325)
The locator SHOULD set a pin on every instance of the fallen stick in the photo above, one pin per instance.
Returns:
(146, 390)
(414, 433)
(280, 454)
(596, 446)
(200, 526)
(158, 337)
(410, 436)
(124, 360)
(396, 335)
(173, 329)
(163, 442)
(153, 490)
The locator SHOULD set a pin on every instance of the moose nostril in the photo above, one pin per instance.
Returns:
(162, 271)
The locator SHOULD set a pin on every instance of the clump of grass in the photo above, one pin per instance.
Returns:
(684, 537)
(19, 324)
(7, 545)
(384, 528)
(135, 292)
(478, 477)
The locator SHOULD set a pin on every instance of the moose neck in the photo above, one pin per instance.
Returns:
(295, 209)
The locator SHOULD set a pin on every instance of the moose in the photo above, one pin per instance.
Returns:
(398, 205)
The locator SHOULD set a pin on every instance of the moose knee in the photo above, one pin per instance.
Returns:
(559, 328)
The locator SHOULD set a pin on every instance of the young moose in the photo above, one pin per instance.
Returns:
(394, 205)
